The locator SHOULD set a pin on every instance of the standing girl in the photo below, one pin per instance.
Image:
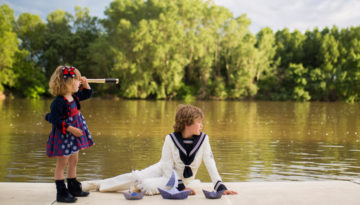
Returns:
(69, 132)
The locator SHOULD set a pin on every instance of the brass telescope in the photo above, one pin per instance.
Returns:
(104, 80)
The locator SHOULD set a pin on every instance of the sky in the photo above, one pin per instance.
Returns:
(276, 14)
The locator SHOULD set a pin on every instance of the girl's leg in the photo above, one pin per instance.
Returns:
(74, 186)
(63, 194)
(73, 161)
(60, 166)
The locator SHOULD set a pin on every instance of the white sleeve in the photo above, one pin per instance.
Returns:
(210, 162)
(167, 161)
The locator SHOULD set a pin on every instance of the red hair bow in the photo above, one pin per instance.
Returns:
(68, 72)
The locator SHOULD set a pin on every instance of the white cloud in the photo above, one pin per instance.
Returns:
(276, 14)
(296, 14)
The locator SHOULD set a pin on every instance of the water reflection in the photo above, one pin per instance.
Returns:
(251, 141)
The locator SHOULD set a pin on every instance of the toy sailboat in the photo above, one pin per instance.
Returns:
(213, 194)
(133, 195)
(172, 192)
(136, 194)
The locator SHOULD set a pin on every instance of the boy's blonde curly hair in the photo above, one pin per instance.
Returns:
(185, 115)
(58, 85)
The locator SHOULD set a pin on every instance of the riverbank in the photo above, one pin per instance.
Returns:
(294, 193)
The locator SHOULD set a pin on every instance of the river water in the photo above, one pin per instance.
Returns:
(251, 141)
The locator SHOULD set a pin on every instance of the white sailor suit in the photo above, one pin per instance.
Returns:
(181, 154)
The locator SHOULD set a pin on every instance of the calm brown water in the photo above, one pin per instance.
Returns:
(251, 141)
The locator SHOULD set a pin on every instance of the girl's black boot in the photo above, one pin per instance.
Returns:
(63, 194)
(75, 188)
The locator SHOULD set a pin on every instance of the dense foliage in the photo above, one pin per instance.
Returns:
(178, 49)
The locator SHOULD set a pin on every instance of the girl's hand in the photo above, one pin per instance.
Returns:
(229, 192)
(75, 131)
(84, 83)
(192, 191)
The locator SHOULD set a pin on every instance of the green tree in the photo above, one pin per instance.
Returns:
(266, 63)
(86, 32)
(266, 53)
(58, 48)
(68, 41)
(204, 22)
(289, 47)
(295, 82)
(321, 55)
(30, 30)
(289, 52)
(30, 80)
(150, 47)
(348, 73)
(239, 54)
(9, 46)
(311, 48)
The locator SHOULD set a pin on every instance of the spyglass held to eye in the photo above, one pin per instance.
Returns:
(70, 72)
(104, 80)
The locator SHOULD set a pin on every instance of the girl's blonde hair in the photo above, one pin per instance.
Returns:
(185, 115)
(58, 85)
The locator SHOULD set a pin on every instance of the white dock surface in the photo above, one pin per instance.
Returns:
(249, 193)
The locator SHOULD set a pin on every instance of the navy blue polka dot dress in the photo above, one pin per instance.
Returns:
(60, 144)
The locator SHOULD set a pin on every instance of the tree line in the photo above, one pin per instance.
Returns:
(178, 49)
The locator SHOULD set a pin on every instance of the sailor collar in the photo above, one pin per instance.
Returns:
(187, 158)
(180, 141)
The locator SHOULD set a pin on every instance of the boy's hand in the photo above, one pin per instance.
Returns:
(75, 131)
(192, 191)
(229, 192)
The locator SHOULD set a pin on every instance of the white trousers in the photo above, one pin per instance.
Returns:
(149, 179)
